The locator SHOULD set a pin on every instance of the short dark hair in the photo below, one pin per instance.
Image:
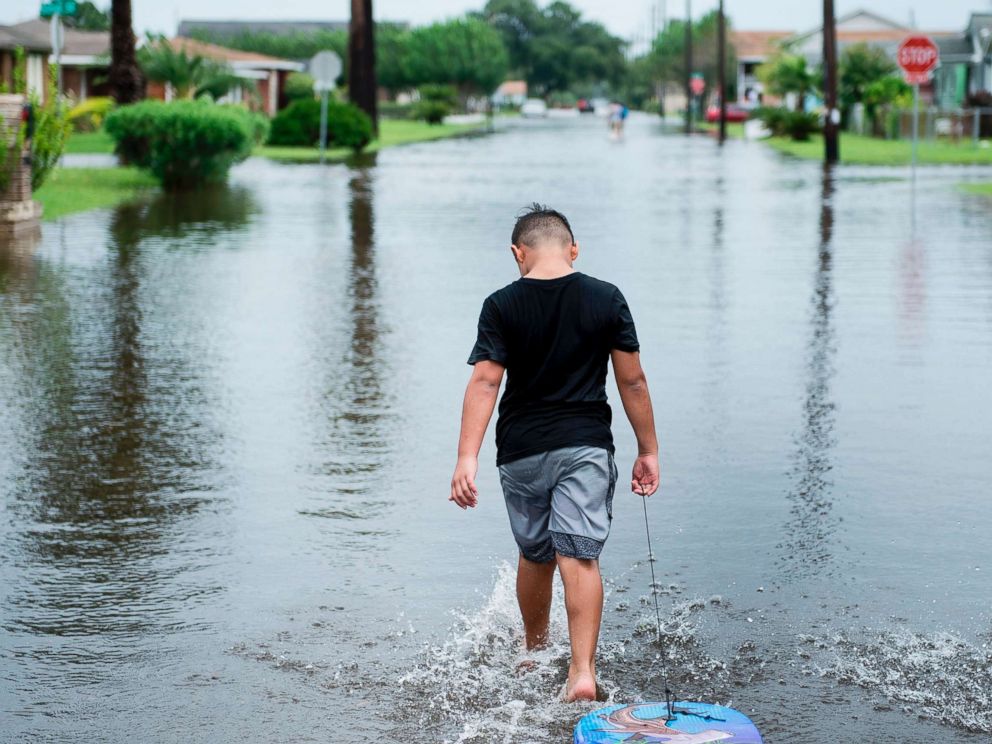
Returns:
(538, 223)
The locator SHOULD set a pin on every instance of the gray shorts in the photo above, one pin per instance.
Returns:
(560, 502)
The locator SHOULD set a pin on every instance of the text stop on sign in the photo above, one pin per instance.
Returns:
(917, 56)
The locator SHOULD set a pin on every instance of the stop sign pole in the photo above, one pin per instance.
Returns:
(917, 56)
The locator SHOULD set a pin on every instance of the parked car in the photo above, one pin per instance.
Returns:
(534, 108)
(585, 106)
(735, 113)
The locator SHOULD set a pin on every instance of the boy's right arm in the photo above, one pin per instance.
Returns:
(477, 409)
(633, 387)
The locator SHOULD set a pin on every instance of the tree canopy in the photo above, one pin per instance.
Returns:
(465, 52)
(553, 48)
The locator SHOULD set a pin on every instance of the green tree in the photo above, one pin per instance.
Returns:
(667, 55)
(860, 66)
(191, 76)
(89, 18)
(788, 73)
(464, 52)
(553, 48)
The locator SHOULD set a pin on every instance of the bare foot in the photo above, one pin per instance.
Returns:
(581, 686)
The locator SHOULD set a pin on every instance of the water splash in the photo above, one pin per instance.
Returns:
(939, 676)
(467, 690)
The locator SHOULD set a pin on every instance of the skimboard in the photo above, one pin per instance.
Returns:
(692, 723)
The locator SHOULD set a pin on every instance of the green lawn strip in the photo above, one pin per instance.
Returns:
(89, 143)
(856, 149)
(984, 189)
(391, 132)
(735, 129)
(70, 190)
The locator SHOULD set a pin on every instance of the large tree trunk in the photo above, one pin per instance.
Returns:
(126, 82)
(361, 60)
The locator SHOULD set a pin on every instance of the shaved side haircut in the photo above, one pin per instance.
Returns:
(540, 224)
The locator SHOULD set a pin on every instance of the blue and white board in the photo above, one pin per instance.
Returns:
(693, 723)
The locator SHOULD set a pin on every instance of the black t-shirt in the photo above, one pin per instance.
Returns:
(554, 336)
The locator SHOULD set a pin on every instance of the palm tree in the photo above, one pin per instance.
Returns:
(189, 75)
(125, 79)
(362, 86)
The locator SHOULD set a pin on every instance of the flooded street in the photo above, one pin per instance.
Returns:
(228, 422)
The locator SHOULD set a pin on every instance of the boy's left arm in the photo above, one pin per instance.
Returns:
(477, 409)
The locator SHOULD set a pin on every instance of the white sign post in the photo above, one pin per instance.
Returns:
(324, 68)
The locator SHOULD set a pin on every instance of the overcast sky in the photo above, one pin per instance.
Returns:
(626, 18)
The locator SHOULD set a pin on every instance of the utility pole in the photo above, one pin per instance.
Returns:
(688, 66)
(362, 86)
(721, 75)
(831, 121)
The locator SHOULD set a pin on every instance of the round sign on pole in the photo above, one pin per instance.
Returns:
(324, 67)
(697, 84)
(917, 56)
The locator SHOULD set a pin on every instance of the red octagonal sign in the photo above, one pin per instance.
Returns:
(917, 56)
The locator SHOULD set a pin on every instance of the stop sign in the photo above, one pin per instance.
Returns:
(917, 56)
(697, 84)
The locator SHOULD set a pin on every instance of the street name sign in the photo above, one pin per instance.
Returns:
(59, 7)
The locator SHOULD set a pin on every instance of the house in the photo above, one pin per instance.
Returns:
(862, 27)
(86, 58)
(753, 49)
(36, 51)
(510, 93)
(965, 63)
(264, 76)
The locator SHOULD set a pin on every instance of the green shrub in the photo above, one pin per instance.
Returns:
(183, 143)
(88, 116)
(394, 110)
(436, 102)
(298, 86)
(298, 125)
(781, 122)
(800, 125)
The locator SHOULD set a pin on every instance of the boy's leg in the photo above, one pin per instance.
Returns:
(584, 605)
(534, 596)
(582, 508)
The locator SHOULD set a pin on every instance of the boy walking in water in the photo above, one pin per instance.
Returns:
(553, 331)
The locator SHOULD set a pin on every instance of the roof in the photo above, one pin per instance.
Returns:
(14, 36)
(36, 34)
(512, 88)
(760, 44)
(233, 57)
(956, 48)
(232, 28)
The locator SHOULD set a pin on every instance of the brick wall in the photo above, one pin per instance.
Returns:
(15, 201)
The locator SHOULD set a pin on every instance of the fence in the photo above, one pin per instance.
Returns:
(935, 123)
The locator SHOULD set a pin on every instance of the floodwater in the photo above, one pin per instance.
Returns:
(228, 421)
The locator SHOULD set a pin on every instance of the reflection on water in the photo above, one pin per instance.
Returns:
(203, 214)
(810, 529)
(355, 409)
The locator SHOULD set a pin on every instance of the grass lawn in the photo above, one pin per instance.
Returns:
(985, 189)
(70, 190)
(89, 143)
(735, 129)
(391, 132)
(857, 149)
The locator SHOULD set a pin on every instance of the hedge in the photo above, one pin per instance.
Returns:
(299, 125)
(185, 143)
